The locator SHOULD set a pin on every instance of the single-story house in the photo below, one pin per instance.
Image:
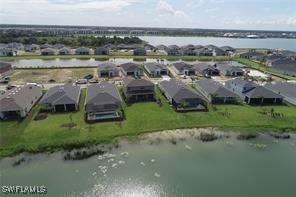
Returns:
(285, 66)
(219, 52)
(228, 49)
(31, 47)
(58, 46)
(108, 69)
(5, 69)
(204, 51)
(139, 52)
(138, 90)
(161, 48)
(102, 51)
(82, 51)
(230, 70)
(61, 98)
(48, 51)
(207, 69)
(182, 97)
(173, 50)
(16, 46)
(188, 50)
(131, 69)
(5, 51)
(103, 102)
(64, 51)
(45, 46)
(182, 68)
(253, 55)
(18, 102)
(155, 69)
(285, 89)
(215, 92)
(252, 93)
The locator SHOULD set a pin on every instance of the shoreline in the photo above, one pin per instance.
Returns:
(173, 136)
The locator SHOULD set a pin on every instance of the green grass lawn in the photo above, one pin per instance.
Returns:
(42, 135)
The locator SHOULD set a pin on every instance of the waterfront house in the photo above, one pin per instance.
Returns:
(17, 102)
(4, 51)
(61, 98)
(252, 93)
(252, 54)
(182, 97)
(102, 51)
(138, 90)
(227, 69)
(228, 49)
(107, 69)
(182, 68)
(48, 51)
(285, 66)
(139, 52)
(207, 69)
(131, 69)
(15, 46)
(161, 48)
(215, 92)
(103, 102)
(155, 69)
(5, 70)
(173, 50)
(188, 50)
(64, 51)
(31, 47)
(204, 51)
(82, 51)
(285, 89)
(45, 46)
(58, 46)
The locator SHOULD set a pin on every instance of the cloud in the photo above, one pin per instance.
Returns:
(164, 7)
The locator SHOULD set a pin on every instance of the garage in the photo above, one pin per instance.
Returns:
(59, 108)
(70, 107)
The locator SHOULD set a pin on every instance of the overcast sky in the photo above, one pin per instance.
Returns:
(222, 14)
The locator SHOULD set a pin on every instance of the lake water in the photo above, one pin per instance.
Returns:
(271, 43)
(225, 167)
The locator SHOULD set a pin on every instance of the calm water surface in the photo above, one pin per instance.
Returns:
(271, 43)
(226, 167)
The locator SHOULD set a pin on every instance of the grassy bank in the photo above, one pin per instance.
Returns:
(48, 134)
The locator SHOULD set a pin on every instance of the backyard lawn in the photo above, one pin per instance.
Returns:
(48, 134)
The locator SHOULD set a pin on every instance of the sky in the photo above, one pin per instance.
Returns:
(211, 14)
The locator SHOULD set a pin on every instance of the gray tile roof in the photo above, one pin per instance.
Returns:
(261, 91)
(130, 82)
(286, 89)
(130, 67)
(62, 95)
(107, 66)
(204, 66)
(181, 66)
(179, 90)
(103, 96)
(152, 66)
(242, 83)
(19, 98)
(228, 67)
(212, 87)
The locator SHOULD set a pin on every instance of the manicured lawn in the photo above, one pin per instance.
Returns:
(31, 135)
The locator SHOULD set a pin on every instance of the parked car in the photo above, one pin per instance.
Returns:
(81, 81)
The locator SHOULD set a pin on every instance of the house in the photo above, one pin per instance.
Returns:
(215, 92)
(252, 54)
(228, 49)
(227, 69)
(204, 51)
(252, 93)
(102, 51)
(131, 69)
(15, 46)
(5, 70)
(207, 69)
(182, 97)
(58, 46)
(107, 69)
(103, 102)
(188, 50)
(138, 90)
(62, 98)
(285, 89)
(182, 68)
(45, 46)
(4, 51)
(155, 69)
(219, 52)
(64, 51)
(31, 47)
(173, 50)
(48, 51)
(285, 66)
(161, 48)
(82, 51)
(139, 52)
(17, 102)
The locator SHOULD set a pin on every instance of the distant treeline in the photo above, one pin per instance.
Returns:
(73, 41)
